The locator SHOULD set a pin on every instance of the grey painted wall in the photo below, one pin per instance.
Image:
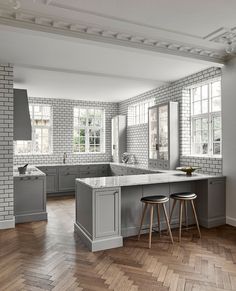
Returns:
(229, 137)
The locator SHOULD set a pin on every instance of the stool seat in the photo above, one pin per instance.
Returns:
(183, 196)
(155, 199)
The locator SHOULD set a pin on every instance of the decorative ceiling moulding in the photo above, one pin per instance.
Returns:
(22, 19)
(226, 36)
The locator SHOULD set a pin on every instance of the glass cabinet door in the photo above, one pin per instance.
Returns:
(153, 133)
(163, 132)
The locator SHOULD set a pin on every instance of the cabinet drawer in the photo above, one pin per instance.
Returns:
(88, 174)
(46, 170)
(68, 169)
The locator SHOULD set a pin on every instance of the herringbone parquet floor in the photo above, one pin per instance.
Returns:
(49, 256)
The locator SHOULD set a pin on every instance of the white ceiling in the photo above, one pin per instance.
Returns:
(195, 18)
(57, 66)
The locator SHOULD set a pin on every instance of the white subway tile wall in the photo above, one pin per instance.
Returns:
(6, 146)
(137, 135)
(62, 112)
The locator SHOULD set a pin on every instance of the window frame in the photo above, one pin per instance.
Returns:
(50, 132)
(209, 115)
(87, 128)
(142, 116)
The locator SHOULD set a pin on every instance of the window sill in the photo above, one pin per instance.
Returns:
(33, 154)
(88, 153)
(202, 156)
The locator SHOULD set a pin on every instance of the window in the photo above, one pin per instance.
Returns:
(206, 119)
(138, 112)
(41, 132)
(89, 130)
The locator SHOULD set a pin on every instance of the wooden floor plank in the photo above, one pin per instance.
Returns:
(49, 256)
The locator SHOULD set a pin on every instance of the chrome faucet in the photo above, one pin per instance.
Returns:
(64, 158)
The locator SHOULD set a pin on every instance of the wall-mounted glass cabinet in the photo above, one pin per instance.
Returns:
(163, 127)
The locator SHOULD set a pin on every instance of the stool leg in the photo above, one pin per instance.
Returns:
(150, 230)
(172, 210)
(167, 222)
(180, 218)
(141, 224)
(158, 219)
(185, 214)
(195, 216)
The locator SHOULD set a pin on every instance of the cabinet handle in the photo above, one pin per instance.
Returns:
(217, 182)
(116, 192)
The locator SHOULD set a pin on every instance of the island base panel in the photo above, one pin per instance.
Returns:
(98, 244)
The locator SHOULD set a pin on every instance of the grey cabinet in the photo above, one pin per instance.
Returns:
(89, 171)
(51, 178)
(29, 199)
(66, 178)
(98, 217)
(163, 136)
(211, 208)
(118, 137)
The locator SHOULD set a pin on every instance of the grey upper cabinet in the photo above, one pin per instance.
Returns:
(22, 122)
(118, 137)
(163, 136)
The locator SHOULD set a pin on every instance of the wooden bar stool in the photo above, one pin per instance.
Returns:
(152, 201)
(183, 198)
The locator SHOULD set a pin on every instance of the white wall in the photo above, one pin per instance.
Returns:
(229, 137)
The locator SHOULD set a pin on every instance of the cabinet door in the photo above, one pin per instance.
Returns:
(153, 132)
(67, 181)
(163, 133)
(51, 183)
(107, 212)
(29, 196)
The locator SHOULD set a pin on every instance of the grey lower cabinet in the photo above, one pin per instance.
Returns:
(51, 178)
(212, 207)
(66, 179)
(30, 199)
(61, 179)
(98, 217)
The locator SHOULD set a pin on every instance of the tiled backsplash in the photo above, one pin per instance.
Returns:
(62, 111)
(137, 135)
(6, 146)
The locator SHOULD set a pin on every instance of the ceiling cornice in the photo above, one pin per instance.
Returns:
(34, 21)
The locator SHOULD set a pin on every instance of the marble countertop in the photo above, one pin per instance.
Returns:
(32, 171)
(146, 179)
(72, 164)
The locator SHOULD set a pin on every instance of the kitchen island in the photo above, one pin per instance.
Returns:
(109, 208)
